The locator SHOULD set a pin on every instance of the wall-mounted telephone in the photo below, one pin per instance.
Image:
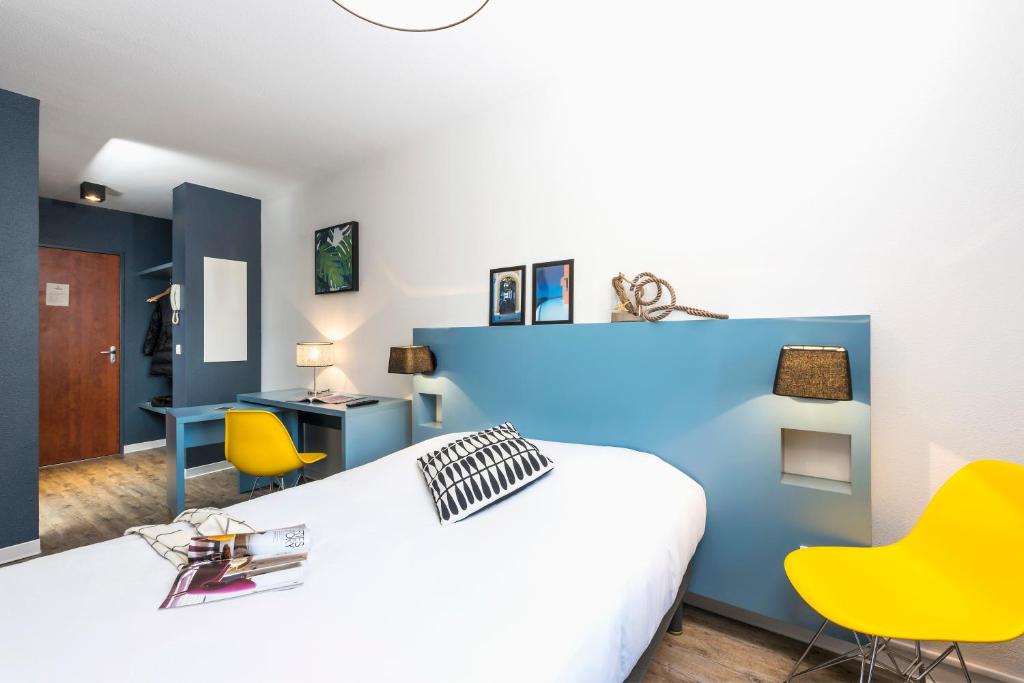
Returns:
(175, 296)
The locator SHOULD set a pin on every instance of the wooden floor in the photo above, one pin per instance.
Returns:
(96, 500)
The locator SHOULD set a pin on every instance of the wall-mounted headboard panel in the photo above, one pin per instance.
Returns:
(699, 395)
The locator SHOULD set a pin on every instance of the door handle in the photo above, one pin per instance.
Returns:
(112, 353)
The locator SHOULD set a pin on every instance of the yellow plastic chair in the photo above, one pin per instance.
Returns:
(958, 576)
(257, 443)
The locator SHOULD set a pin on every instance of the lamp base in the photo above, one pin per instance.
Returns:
(315, 393)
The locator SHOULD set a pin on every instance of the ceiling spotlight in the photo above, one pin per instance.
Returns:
(413, 16)
(92, 192)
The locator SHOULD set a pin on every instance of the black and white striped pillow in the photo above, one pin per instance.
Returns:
(480, 469)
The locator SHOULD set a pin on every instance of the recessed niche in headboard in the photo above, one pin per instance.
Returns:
(429, 411)
(817, 460)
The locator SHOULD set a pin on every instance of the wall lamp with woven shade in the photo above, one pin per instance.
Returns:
(821, 372)
(411, 360)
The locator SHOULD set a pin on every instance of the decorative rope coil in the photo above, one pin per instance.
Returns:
(648, 308)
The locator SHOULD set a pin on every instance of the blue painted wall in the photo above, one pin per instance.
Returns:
(141, 242)
(699, 395)
(19, 318)
(216, 224)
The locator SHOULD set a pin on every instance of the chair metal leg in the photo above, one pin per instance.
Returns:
(906, 672)
(896, 664)
(874, 658)
(254, 484)
(935, 662)
(855, 653)
(793, 673)
(861, 652)
(963, 664)
(868, 653)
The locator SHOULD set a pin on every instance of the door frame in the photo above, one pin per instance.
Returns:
(121, 257)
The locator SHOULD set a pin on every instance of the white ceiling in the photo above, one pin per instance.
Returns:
(250, 96)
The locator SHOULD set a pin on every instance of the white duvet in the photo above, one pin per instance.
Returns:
(566, 580)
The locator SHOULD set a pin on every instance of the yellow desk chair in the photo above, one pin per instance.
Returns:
(958, 576)
(257, 443)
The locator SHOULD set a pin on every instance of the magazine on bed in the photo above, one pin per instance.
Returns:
(223, 567)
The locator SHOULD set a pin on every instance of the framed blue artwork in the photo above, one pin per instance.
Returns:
(552, 292)
(507, 288)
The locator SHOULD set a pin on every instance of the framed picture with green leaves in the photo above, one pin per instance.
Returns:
(336, 258)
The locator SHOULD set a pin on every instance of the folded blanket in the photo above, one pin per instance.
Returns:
(171, 540)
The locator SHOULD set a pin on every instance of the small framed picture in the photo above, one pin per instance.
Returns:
(507, 288)
(336, 258)
(552, 292)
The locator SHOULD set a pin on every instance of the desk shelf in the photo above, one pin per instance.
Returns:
(148, 405)
(160, 272)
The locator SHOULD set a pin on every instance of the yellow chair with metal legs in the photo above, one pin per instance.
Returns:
(958, 576)
(257, 443)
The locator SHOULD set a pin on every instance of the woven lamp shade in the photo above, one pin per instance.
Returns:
(410, 360)
(821, 372)
(314, 354)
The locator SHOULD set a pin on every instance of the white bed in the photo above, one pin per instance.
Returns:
(565, 581)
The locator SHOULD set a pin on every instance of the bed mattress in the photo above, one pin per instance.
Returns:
(567, 580)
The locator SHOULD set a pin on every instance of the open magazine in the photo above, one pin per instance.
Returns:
(222, 567)
(330, 399)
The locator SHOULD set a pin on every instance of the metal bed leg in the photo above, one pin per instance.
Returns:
(675, 627)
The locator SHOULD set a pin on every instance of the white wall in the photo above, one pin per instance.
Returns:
(786, 159)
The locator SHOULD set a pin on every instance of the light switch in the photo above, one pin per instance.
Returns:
(177, 349)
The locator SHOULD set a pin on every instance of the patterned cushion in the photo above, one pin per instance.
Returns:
(480, 469)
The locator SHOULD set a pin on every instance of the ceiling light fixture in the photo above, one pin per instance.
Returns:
(413, 16)
(92, 192)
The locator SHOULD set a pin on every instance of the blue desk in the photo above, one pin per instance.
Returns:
(367, 432)
(202, 426)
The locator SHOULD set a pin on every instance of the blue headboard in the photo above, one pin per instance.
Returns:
(696, 393)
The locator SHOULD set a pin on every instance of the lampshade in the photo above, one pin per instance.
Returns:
(409, 360)
(314, 354)
(821, 372)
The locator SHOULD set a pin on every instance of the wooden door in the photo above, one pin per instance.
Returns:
(79, 379)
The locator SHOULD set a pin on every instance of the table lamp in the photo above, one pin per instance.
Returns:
(821, 372)
(409, 360)
(314, 355)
